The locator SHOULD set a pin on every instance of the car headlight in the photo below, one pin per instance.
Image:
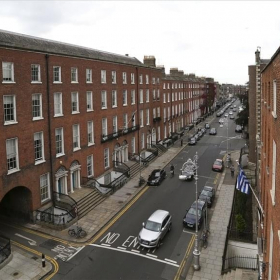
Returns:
(154, 240)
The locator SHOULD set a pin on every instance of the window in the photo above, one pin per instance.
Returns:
(59, 142)
(133, 145)
(143, 140)
(8, 72)
(74, 75)
(12, 155)
(103, 76)
(157, 80)
(39, 147)
(158, 94)
(154, 80)
(154, 113)
(76, 137)
(90, 133)
(158, 111)
(114, 98)
(35, 73)
(148, 116)
(163, 85)
(104, 127)
(115, 124)
(9, 109)
(75, 102)
(274, 163)
(132, 77)
(124, 78)
(132, 96)
(89, 101)
(88, 75)
(141, 79)
(114, 77)
(141, 95)
(57, 74)
(90, 166)
(147, 96)
(274, 112)
(103, 99)
(124, 97)
(154, 94)
(164, 115)
(164, 98)
(133, 119)
(147, 79)
(37, 106)
(106, 158)
(141, 118)
(58, 104)
(45, 187)
(125, 123)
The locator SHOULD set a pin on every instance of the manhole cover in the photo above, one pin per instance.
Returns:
(120, 202)
(15, 274)
(34, 258)
(128, 193)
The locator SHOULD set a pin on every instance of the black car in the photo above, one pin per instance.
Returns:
(189, 219)
(192, 141)
(213, 131)
(156, 177)
(238, 128)
(208, 195)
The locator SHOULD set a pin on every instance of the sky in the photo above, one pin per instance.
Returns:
(216, 39)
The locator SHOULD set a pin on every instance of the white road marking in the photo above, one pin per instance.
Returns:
(150, 255)
(30, 241)
(80, 249)
(186, 231)
(122, 248)
(136, 254)
(168, 260)
(104, 244)
(136, 251)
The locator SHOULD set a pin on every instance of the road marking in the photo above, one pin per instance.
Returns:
(136, 254)
(150, 255)
(106, 244)
(168, 260)
(136, 251)
(190, 232)
(122, 248)
(80, 249)
(30, 241)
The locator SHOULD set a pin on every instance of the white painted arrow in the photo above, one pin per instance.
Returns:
(30, 241)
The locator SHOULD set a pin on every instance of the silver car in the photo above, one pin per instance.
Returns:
(155, 228)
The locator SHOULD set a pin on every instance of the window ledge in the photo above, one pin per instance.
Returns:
(75, 113)
(114, 106)
(58, 115)
(35, 82)
(12, 171)
(39, 162)
(37, 118)
(90, 110)
(76, 149)
(274, 115)
(74, 82)
(89, 82)
(104, 108)
(8, 82)
(10, 123)
(272, 198)
(91, 144)
(60, 155)
(57, 82)
(125, 105)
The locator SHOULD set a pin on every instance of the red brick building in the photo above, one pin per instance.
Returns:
(270, 163)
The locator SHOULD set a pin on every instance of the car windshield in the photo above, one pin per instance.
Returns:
(192, 139)
(193, 212)
(153, 226)
(217, 162)
(157, 174)
(205, 193)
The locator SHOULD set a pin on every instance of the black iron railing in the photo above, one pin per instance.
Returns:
(5, 248)
(116, 134)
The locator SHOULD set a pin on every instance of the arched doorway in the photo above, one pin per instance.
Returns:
(117, 155)
(61, 180)
(17, 204)
(75, 172)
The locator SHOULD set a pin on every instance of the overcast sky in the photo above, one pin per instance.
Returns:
(215, 39)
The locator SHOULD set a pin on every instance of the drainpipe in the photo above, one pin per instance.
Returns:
(137, 108)
(49, 126)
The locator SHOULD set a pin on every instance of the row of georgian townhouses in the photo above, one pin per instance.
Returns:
(269, 228)
(69, 112)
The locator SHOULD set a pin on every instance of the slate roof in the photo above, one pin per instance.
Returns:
(24, 42)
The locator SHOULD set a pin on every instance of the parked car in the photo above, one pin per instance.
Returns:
(207, 125)
(218, 114)
(226, 115)
(234, 109)
(192, 141)
(200, 134)
(238, 128)
(230, 112)
(155, 228)
(156, 177)
(218, 165)
(196, 137)
(221, 121)
(189, 219)
(207, 195)
(213, 131)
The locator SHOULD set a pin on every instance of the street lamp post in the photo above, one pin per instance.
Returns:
(227, 144)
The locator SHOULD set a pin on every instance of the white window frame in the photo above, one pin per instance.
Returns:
(37, 97)
(106, 158)
(8, 121)
(39, 136)
(36, 67)
(115, 124)
(124, 78)
(56, 74)
(104, 127)
(274, 163)
(132, 77)
(158, 94)
(124, 97)
(141, 118)
(74, 75)
(274, 112)
(89, 76)
(141, 96)
(103, 99)
(76, 137)
(158, 112)
(125, 121)
(133, 145)
(75, 102)
(140, 79)
(132, 96)
(103, 76)
(153, 80)
(114, 99)
(58, 105)
(90, 133)
(8, 75)
(61, 141)
(154, 94)
(90, 169)
(164, 98)
(147, 79)
(154, 113)
(89, 101)
(12, 152)
(46, 179)
(114, 77)
(147, 116)
(143, 140)
(147, 95)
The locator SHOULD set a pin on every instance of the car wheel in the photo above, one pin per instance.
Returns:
(170, 226)
(158, 244)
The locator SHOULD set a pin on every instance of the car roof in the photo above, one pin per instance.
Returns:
(158, 215)
(218, 159)
(208, 188)
(156, 170)
(200, 204)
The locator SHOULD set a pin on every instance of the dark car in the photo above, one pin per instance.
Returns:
(192, 141)
(189, 219)
(213, 131)
(238, 128)
(208, 195)
(156, 177)
(218, 165)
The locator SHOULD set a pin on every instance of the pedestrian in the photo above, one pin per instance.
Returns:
(232, 171)
(181, 142)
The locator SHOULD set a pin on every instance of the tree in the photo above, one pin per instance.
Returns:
(242, 117)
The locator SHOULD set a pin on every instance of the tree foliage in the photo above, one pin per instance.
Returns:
(243, 116)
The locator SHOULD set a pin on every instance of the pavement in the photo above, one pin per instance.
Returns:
(26, 265)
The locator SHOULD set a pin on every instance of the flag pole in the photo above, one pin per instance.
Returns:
(260, 206)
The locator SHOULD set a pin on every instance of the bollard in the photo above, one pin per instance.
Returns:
(43, 260)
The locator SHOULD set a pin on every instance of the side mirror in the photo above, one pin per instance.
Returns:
(143, 224)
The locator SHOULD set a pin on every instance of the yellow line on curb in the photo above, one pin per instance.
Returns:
(177, 276)
(53, 261)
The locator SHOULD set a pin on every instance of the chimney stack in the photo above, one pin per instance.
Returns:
(257, 55)
(150, 60)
